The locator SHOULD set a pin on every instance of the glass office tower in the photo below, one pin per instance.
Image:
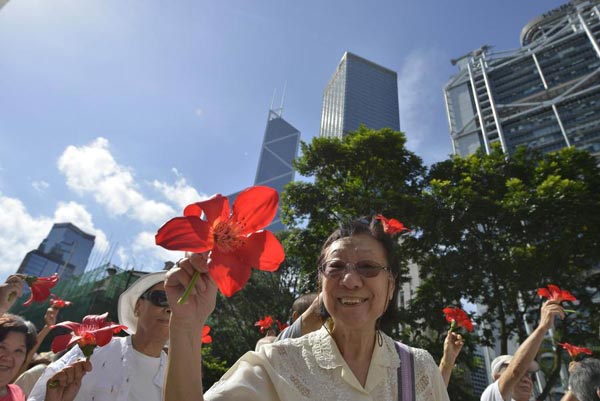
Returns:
(544, 95)
(359, 92)
(65, 251)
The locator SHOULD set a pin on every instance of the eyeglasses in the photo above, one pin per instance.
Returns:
(336, 268)
(156, 297)
(532, 375)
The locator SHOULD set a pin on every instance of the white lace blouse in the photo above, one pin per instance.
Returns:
(312, 368)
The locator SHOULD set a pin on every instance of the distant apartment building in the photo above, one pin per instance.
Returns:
(65, 251)
(275, 164)
(359, 92)
(544, 95)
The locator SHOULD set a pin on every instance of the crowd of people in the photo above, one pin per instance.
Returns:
(334, 348)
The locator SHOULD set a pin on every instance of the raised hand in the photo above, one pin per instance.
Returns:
(10, 291)
(65, 384)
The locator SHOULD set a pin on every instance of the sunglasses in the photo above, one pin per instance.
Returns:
(336, 268)
(156, 297)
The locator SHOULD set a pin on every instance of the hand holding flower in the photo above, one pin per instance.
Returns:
(65, 384)
(10, 291)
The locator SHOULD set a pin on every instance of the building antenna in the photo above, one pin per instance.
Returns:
(273, 98)
(282, 99)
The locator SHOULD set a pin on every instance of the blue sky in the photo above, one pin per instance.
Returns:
(116, 114)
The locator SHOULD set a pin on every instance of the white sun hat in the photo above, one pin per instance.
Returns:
(128, 299)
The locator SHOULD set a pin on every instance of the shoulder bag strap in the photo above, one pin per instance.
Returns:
(406, 373)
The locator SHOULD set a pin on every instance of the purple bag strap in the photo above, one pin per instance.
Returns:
(406, 373)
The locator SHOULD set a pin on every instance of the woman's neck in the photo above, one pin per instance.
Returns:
(357, 350)
(147, 345)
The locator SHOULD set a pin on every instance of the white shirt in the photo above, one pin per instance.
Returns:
(112, 376)
(312, 368)
(492, 393)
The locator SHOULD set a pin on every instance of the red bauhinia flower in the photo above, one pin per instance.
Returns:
(93, 331)
(206, 338)
(574, 350)
(233, 238)
(391, 226)
(458, 318)
(265, 324)
(40, 287)
(554, 293)
(57, 303)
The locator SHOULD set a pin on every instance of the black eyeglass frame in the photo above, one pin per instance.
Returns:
(156, 298)
(374, 268)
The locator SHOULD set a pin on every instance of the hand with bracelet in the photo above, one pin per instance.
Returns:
(452, 346)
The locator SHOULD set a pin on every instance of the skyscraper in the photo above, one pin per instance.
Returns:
(359, 92)
(279, 149)
(65, 251)
(544, 95)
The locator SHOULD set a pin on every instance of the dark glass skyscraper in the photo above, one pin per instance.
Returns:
(359, 92)
(65, 251)
(544, 95)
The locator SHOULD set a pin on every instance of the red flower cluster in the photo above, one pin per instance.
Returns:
(554, 293)
(40, 288)
(574, 350)
(93, 331)
(391, 226)
(235, 238)
(58, 303)
(266, 324)
(458, 318)
(206, 338)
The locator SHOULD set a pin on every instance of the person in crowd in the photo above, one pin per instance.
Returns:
(16, 339)
(127, 368)
(584, 382)
(514, 375)
(348, 358)
(37, 366)
(306, 316)
(10, 291)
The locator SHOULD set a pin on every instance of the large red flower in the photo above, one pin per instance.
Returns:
(206, 338)
(458, 318)
(391, 226)
(93, 331)
(40, 287)
(281, 326)
(574, 350)
(58, 303)
(554, 293)
(233, 238)
(265, 324)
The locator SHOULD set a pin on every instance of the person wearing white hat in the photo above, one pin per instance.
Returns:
(514, 375)
(126, 369)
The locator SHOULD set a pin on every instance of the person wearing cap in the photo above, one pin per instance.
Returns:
(514, 375)
(127, 368)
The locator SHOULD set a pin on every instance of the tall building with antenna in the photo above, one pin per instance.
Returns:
(359, 92)
(279, 149)
(65, 251)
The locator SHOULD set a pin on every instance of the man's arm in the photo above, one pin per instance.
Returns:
(528, 350)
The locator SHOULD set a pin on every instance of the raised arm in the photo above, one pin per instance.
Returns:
(10, 290)
(528, 350)
(452, 346)
(183, 380)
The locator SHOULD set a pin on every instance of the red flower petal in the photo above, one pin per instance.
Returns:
(230, 273)
(543, 292)
(60, 343)
(391, 226)
(206, 338)
(261, 250)
(215, 207)
(255, 208)
(185, 234)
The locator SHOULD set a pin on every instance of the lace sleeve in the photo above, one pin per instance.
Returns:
(429, 384)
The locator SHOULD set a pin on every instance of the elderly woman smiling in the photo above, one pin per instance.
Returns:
(347, 359)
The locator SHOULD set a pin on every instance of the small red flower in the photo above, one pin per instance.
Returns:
(93, 331)
(458, 318)
(391, 226)
(206, 338)
(40, 288)
(58, 303)
(265, 324)
(281, 326)
(554, 293)
(574, 350)
(235, 239)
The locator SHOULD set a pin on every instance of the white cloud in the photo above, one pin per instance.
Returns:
(144, 254)
(91, 169)
(40, 186)
(422, 111)
(180, 193)
(20, 232)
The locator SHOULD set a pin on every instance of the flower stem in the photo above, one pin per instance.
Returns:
(569, 310)
(188, 290)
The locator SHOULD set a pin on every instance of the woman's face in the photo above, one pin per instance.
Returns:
(153, 320)
(12, 355)
(355, 302)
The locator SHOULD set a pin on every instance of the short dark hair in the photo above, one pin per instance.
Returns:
(302, 303)
(372, 227)
(10, 322)
(585, 380)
